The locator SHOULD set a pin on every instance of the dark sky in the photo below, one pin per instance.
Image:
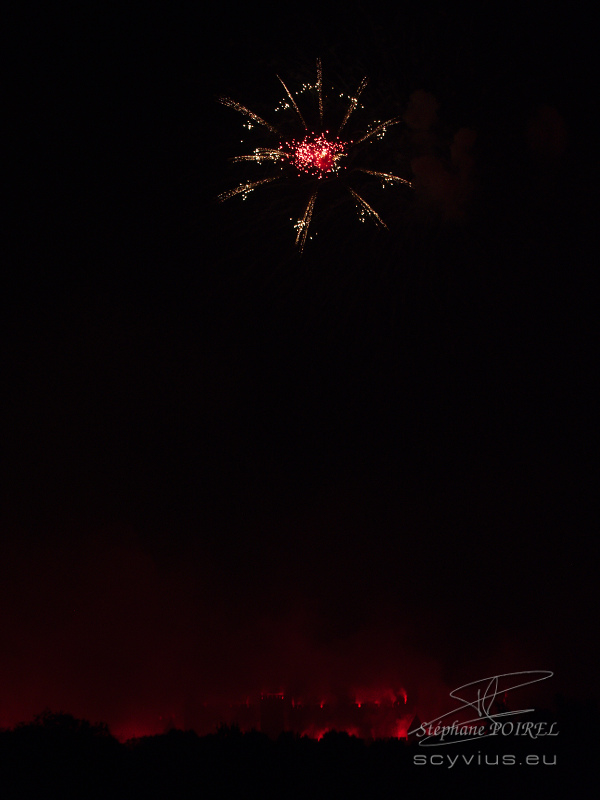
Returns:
(227, 467)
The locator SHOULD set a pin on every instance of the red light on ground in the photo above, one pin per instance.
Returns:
(132, 730)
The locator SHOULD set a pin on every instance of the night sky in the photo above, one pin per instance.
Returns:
(228, 468)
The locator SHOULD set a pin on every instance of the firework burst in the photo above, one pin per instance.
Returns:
(317, 156)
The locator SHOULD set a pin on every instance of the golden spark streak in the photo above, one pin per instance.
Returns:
(320, 88)
(366, 206)
(385, 175)
(393, 121)
(289, 94)
(353, 103)
(227, 101)
(262, 154)
(302, 225)
(244, 188)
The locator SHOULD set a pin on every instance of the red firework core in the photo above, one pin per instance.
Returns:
(316, 154)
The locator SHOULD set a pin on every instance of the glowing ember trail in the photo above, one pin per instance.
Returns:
(316, 155)
(302, 224)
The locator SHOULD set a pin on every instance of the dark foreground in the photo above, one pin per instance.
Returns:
(64, 757)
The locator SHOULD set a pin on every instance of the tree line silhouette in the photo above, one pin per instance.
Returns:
(59, 755)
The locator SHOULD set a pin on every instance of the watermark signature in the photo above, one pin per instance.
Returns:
(506, 760)
(487, 697)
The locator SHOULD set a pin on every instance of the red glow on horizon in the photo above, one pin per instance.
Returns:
(368, 713)
(135, 730)
(379, 696)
